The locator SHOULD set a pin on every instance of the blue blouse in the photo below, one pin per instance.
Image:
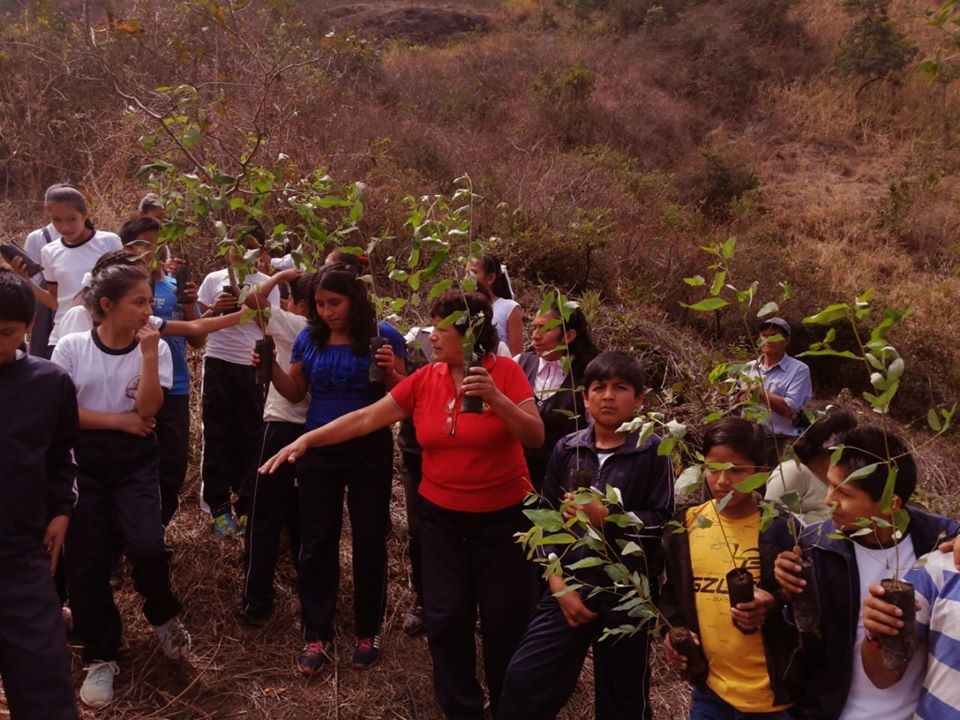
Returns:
(338, 379)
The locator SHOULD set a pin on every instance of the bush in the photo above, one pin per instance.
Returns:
(564, 101)
(874, 48)
(718, 182)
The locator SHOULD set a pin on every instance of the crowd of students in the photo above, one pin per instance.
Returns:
(96, 443)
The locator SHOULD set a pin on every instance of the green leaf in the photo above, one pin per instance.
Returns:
(549, 520)
(830, 314)
(728, 248)
(792, 501)
(865, 471)
(719, 279)
(695, 281)
(886, 499)
(587, 562)
(752, 482)
(558, 539)
(707, 304)
(768, 309)
(631, 548)
(688, 480)
(704, 522)
(829, 353)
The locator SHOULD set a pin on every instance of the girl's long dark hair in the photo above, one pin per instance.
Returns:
(581, 349)
(68, 195)
(341, 279)
(499, 287)
(744, 437)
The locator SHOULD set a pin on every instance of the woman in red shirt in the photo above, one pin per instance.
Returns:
(474, 481)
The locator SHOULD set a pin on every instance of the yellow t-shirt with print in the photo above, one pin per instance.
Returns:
(737, 662)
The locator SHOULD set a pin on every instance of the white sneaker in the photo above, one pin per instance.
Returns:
(97, 688)
(174, 639)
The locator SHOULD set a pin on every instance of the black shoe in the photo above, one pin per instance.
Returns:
(366, 653)
(312, 657)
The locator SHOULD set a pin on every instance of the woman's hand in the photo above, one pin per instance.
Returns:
(289, 454)
(479, 384)
(674, 658)
(19, 267)
(751, 615)
(149, 338)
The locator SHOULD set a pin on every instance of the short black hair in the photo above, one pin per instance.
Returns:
(300, 288)
(476, 304)
(17, 303)
(614, 364)
(869, 444)
(744, 437)
(821, 435)
(133, 228)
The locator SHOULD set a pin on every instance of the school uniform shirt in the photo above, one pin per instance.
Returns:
(737, 662)
(471, 462)
(107, 379)
(67, 264)
(284, 327)
(502, 309)
(338, 380)
(166, 307)
(232, 344)
(35, 243)
(793, 476)
(937, 583)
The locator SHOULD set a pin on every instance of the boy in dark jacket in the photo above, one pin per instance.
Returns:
(544, 669)
(37, 494)
(836, 683)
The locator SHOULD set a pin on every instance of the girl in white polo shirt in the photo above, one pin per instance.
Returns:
(119, 369)
(66, 260)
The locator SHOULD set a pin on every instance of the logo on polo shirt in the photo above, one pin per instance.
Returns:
(132, 388)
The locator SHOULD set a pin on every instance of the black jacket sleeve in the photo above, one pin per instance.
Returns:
(61, 468)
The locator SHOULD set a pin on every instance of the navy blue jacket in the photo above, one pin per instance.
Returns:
(645, 481)
(37, 434)
(827, 661)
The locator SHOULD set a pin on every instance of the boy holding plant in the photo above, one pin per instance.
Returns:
(543, 671)
(855, 549)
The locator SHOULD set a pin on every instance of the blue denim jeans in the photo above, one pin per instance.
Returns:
(707, 705)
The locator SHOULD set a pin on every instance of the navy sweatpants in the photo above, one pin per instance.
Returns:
(363, 469)
(232, 405)
(117, 476)
(34, 664)
(471, 560)
(273, 507)
(543, 671)
(173, 433)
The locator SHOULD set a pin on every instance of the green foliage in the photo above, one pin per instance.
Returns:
(563, 97)
(874, 48)
(719, 181)
(944, 66)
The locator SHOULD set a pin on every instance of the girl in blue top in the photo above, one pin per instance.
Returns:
(331, 358)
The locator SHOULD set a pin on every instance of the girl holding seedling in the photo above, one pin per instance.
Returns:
(331, 359)
(474, 483)
(556, 382)
(120, 370)
(492, 277)
(746, 642)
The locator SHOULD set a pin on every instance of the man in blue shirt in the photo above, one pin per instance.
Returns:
(785, 386)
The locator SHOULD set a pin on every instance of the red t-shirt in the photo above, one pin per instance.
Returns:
(480, 467)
